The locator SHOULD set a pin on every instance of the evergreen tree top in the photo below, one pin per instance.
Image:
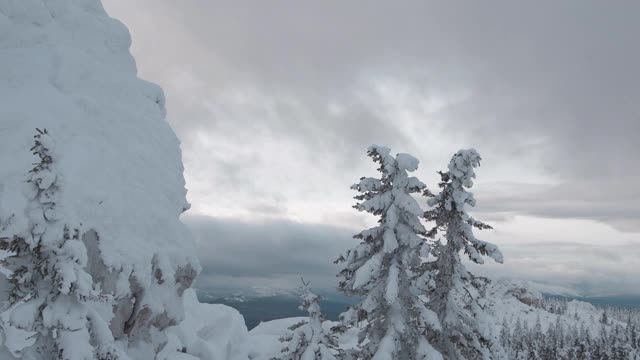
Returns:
(450, 206)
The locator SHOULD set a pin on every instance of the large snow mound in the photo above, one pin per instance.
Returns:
(208, 332)
(66, 67)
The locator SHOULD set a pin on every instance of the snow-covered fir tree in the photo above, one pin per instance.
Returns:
(457, 296)
(49, 287)
(393, 319)
(308, 340)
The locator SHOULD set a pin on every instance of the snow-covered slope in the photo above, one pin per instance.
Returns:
(504, 300)
(65, 67)
(512, 301)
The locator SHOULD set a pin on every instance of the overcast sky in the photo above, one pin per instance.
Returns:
(275, 103)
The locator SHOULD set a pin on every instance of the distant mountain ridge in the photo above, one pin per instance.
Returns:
(259, 304)
(623, 301)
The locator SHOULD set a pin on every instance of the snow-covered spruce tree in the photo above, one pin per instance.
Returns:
(457, 294)
(49, 287)
(308, 340)
(394, 321)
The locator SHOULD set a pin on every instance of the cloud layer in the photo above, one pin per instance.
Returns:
(275, 253)
(271, 253)
(275, 103)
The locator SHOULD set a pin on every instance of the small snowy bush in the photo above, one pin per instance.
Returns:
(308, 340)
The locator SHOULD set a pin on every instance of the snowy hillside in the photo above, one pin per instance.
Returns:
(505, 301)
(511, 301)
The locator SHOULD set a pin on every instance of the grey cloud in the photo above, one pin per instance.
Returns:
(234, 71)
(612, 201)
(560, 80)
(569, 67)
(275, 254)
(267, 253)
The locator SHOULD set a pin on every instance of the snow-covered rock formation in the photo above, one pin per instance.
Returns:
(66, 67)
